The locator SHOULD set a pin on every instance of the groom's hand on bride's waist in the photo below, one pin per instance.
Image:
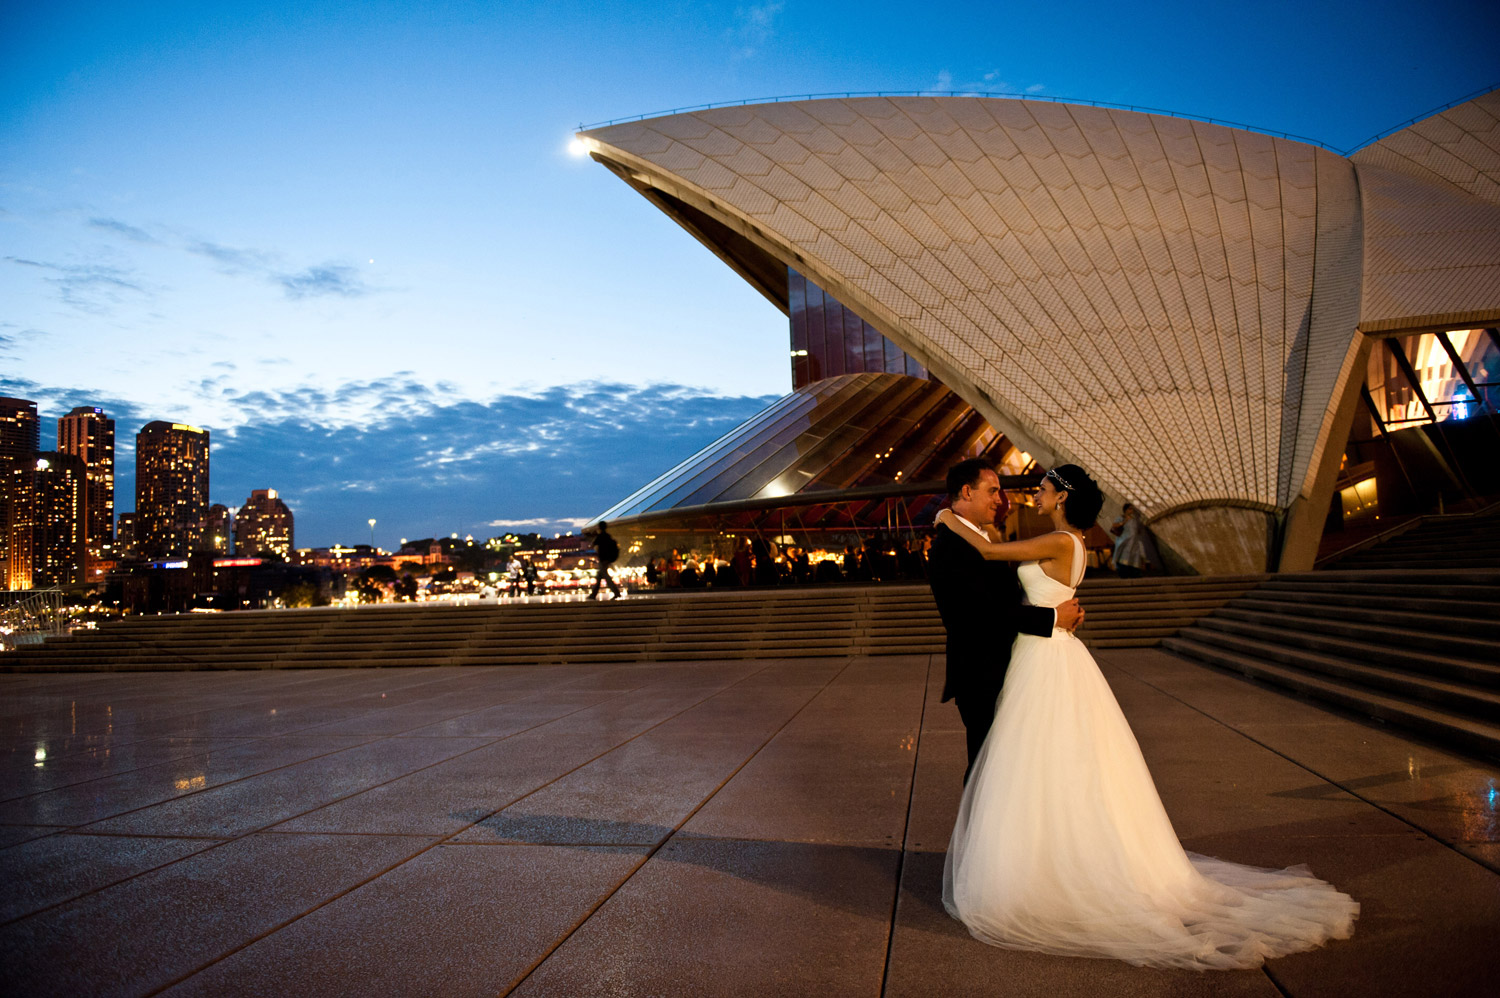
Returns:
(1070, 615)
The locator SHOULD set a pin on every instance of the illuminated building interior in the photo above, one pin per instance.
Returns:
(1426, 433)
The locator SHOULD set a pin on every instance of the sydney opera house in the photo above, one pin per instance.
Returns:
(1251, 337)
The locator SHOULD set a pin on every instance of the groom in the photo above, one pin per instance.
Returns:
(980, 603)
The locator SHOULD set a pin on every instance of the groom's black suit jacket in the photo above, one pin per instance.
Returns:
(980, 603)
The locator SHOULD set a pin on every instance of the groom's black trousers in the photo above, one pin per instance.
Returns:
(977, 709)
(980, 603)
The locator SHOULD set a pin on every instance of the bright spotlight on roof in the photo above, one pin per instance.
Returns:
(578, 148)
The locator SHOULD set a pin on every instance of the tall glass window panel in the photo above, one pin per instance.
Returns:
(797, 306)
(853, 342)
(1396, 400)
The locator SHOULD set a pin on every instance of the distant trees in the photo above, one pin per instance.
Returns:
(371, 583)
(302, 594)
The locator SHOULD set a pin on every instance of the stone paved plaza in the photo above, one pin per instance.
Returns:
(749, 828)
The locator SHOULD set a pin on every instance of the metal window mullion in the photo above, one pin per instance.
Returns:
(1461, 368)
(1410, 373)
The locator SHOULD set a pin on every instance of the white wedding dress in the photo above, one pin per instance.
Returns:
(1062, 844)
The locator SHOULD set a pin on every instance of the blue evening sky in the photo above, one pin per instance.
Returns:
(349, 240)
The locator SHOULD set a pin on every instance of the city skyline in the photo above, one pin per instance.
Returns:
(350, 241)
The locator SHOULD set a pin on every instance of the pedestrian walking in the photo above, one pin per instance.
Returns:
(607, 552)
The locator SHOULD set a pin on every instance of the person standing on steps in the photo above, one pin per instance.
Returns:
(607, 551)
(1130, 544)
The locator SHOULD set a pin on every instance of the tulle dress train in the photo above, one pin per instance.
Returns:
(1062, 844)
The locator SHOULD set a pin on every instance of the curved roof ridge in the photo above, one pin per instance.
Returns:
(1047, 98)
(1457, 148)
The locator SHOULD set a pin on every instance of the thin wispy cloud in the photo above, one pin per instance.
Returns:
(329, 279)
(754, 27)
(123, 229)
(13, 336)
(317, 281)
(231, 260)
(88, 287)
(991, 82)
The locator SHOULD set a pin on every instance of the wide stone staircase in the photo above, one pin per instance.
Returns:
(775, 623)
(1406, 632)
(1452, 542)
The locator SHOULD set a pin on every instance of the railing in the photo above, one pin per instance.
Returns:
(1048, 99)
(30, 616)
(1421, 117)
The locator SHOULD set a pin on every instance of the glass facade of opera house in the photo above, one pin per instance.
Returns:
(845, 468)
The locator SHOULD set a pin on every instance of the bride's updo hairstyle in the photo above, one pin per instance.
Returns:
(1084, 498)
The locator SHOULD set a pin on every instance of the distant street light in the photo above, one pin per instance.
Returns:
(372, 533)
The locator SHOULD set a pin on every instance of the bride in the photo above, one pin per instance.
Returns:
(1062, 844)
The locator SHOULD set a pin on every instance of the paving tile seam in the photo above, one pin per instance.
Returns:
(148, 835)
(295, 833)
(245, 701)
(528, 694)
(347, 748)
(372, 740)
(911, 795)
(227, 783)
(187, 753)
(1347, 787)
(136, 738)
(225, 840)
(281, 925)
(1265, 968)
(212, 843)
(445, 839)
(653, 850)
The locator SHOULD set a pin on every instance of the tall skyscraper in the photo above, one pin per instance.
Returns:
(263, 526)
(218, 529)
(19, 440)
(171, 490)
(59, 518)
(89, 435)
